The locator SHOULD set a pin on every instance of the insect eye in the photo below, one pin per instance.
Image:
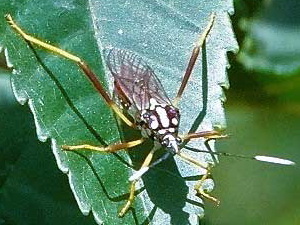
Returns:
(172, 112)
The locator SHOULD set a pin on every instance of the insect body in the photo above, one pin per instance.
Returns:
(142, 95)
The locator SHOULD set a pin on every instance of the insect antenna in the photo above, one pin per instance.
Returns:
(262, 158)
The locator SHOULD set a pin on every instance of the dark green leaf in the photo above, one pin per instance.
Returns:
(271, 44)
(69, 111)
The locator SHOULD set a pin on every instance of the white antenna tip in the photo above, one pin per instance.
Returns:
(137, 175)
(274, 160)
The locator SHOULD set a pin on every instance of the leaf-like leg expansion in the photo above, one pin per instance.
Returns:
(85, 68)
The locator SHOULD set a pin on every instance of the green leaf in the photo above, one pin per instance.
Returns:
(69, 111)
(32, 189)
(271, 44)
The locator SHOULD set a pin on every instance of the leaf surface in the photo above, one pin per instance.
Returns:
(69, 111)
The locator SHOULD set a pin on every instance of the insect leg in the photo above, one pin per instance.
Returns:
(193, 58)
(206, 134)
(109, 148)
(192, 160)
(131, 198)
(85, 68)
(199, 186)
(200, 190)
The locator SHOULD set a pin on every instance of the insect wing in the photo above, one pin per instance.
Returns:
(135, 81)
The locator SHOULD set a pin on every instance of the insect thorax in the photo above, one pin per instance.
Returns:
(158, 121)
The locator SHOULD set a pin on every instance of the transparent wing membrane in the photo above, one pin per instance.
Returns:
(135, 81)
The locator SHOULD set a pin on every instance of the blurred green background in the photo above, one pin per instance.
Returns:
(263, 115)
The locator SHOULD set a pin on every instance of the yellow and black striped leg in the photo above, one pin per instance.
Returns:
(193, 58)
(85, 68)
(109, 148)
(134, 179)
